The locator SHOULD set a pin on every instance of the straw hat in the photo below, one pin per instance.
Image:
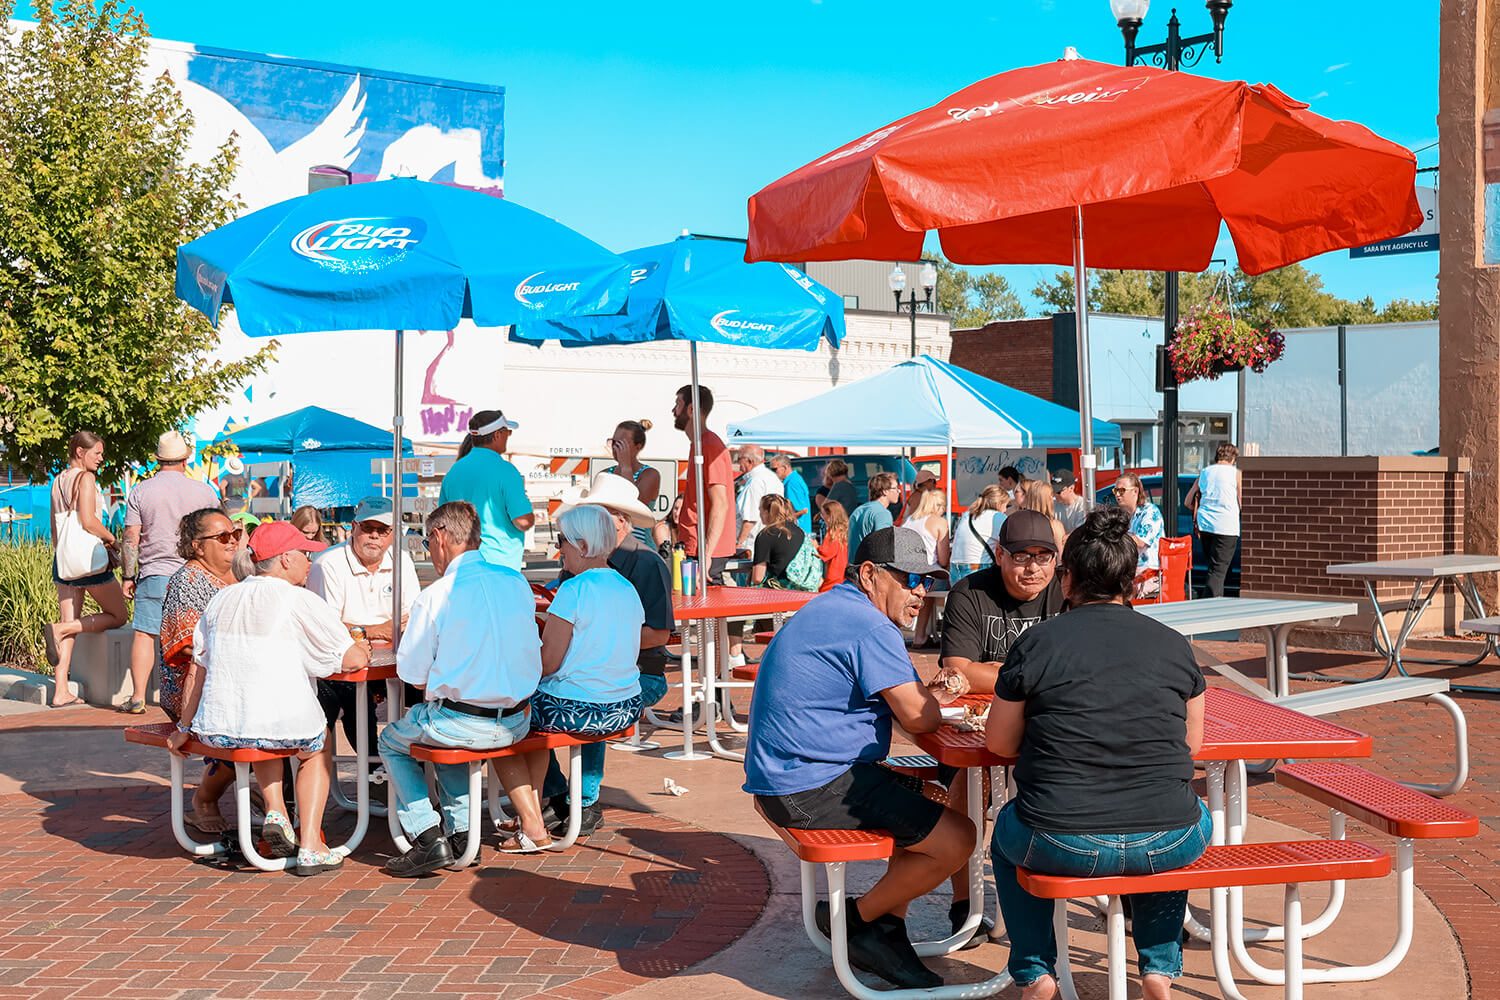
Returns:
(612, 492)
(173, 447)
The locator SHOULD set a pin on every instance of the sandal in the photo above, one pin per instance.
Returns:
(519, 843)
(206, 824)
(279, 838)
(317, 862)
(69, 703)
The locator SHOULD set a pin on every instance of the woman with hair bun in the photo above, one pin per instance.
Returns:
(625, 445)
(1104, 709)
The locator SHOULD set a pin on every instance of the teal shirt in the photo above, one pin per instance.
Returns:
(796, 495)
(498, 493)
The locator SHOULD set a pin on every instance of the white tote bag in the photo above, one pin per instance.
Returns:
(79, 553)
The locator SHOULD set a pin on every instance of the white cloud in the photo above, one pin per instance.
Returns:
(1321, 93)
(1335, 67)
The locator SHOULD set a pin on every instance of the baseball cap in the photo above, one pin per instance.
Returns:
(247, 520)
(1063, 478)
(900, 549)
(924, 476)
(276, 538)
(1026, 529)
(374, 509)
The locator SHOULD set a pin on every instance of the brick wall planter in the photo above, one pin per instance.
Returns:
(1300, 515)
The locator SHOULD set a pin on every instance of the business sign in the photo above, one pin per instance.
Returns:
(1424, 237)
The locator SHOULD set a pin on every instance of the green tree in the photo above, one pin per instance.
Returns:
(972, 300)
(95, 196)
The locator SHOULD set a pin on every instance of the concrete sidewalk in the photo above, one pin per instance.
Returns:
(700, 897)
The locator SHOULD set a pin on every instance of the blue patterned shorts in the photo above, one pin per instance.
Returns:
(312, 745)
(582, 718)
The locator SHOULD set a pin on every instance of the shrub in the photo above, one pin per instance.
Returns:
(28, 601)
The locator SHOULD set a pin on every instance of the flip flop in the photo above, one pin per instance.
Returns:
(49, 639)
(69, 703)
(206, 824)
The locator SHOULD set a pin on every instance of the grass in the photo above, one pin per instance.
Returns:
(28, 601)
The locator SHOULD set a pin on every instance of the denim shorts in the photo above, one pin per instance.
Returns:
(149, 593)
(311, 745)
(96, 580)
(866, 797)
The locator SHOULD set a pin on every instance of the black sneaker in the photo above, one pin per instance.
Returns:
(958, 913)
(431, 853)
(905, 968)
(459, 842)
(589, 822)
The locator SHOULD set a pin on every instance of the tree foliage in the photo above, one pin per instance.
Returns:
(972, 300)
(1290, 296)
(95, 196)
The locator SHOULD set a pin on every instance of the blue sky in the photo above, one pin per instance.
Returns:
(631, 122)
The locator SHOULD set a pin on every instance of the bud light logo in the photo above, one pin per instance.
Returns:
(359, 245)
(529, 286)
(728, 327)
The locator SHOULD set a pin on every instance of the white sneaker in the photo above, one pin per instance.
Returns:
(736, 659)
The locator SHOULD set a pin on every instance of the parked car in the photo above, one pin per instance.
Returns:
(862, 467)
(1152, 486)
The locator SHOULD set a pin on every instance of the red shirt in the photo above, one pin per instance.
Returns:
(717, 471)
(835, 556)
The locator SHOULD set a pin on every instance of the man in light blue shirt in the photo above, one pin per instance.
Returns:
(472, 646)
(495, 488)
(870, 517)
(795, 488)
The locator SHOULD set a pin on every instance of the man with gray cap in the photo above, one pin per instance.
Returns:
(153, 513)
(1071, 508)
(820, 729)
(356, 579)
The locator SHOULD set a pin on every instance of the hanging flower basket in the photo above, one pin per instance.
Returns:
(1210, 342)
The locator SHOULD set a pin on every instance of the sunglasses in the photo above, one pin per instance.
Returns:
(913, 580)
(1122, 489)
(427, 539)
(224, 537)
(374, 527)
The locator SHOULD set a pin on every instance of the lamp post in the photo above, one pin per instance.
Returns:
(1173, 54)
(897, 280)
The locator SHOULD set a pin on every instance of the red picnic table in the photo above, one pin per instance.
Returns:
(1236, 728)
(718, 606)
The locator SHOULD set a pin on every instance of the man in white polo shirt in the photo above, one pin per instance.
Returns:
(355, 578)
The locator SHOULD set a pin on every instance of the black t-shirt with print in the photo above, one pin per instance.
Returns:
(1105, 745)
(982, 619)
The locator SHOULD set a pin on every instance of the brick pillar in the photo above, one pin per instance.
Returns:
(1300, 515)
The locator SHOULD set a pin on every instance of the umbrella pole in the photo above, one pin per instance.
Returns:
(398, 543)
(1085, 385)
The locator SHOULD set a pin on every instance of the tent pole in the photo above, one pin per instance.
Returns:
(1085, 385)
(704, 557)
(398, 543)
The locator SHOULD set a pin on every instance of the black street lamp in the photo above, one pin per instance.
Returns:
(1173, 54)
(897, 280)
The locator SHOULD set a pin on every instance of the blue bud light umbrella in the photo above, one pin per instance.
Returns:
(397, 255)
(701, 290)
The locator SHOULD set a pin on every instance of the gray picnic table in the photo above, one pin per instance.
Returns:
(1224, 614)
(1427, 574)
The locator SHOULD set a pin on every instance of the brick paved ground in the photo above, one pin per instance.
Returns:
(98, 901)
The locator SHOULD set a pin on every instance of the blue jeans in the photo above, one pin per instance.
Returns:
(1156, 917)
(427, 723)
(653, 690)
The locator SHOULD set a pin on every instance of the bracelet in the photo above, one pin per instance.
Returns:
(184, 729)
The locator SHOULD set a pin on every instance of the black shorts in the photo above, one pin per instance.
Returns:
(865, 797)
(337, 699)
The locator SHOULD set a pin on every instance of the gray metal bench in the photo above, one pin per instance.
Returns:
(1347, 697)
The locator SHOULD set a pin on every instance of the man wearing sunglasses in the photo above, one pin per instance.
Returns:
(356, 578)
(820, 729)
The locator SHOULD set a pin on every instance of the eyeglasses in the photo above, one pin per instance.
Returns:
(1033, 558)
(1122, 489)
(913, 580)
(427, 539)
(224, 537)
(374, 527)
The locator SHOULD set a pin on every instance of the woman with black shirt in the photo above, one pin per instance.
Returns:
(1104, 708)
(777, 543)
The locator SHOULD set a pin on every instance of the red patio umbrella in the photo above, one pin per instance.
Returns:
(1014, 169)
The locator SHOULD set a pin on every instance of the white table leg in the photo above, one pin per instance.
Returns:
(688, 752)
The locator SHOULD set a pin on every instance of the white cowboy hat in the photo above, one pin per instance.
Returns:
(173, 447)
(613, 492)
(232, 465)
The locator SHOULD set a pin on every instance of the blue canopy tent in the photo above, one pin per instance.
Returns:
(330, 453)
(923, 402)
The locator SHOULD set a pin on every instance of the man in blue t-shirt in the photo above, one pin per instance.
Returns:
(495, 488)
(876, 514)
(795, 488)
(820, 728)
